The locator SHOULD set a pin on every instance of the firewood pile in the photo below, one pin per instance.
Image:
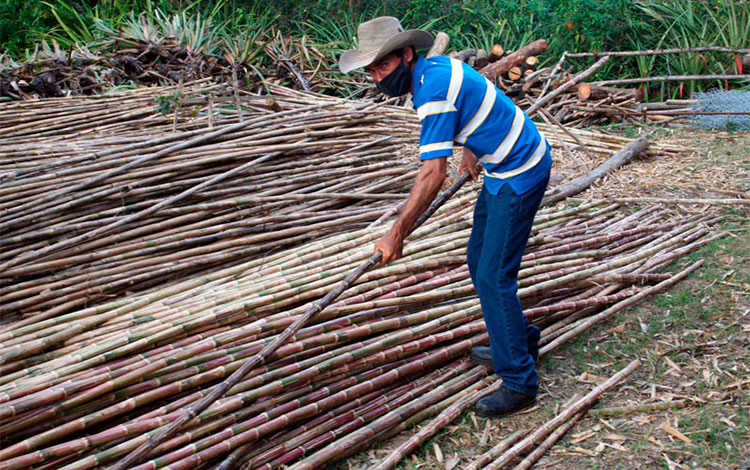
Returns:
(52, 72)
(147, 257)
(576, 103)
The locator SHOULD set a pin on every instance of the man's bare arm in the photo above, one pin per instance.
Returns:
(426, 187)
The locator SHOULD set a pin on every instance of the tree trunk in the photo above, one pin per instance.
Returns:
(515, 73)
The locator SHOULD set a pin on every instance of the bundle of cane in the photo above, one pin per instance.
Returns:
(84, 389)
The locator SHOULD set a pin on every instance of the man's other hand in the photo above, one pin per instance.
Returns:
(391, 246)
(469, 163)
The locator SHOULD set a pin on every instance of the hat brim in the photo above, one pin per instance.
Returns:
(354, 59)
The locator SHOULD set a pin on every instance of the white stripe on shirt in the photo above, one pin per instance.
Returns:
(488, 102)
(435, 107)
(535, 158)
(436, 146)
(457, 79)
(510, 140)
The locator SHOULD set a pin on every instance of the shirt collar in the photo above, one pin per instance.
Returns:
(416, 77)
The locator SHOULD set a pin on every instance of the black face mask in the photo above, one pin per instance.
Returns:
(398, 82)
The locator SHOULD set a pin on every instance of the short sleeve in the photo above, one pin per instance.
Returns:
(439, 122)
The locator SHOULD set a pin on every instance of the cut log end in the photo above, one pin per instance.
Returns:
(584, 91)
(496, 52)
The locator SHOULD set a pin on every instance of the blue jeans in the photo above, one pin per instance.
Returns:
(502, 225)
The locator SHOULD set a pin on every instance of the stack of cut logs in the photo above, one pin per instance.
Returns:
(581, 105)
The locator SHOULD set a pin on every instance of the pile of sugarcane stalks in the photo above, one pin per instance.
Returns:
(116, 195)
(145, 258)
(82, 390)
(100, 197)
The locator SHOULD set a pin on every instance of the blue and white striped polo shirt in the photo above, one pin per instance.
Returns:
(455, 103)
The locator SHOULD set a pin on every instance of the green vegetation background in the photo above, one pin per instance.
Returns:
(572, 25)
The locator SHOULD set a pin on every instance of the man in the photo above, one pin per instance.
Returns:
(457, 104)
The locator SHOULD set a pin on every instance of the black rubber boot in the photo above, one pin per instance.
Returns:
(482, 355)
(503, 402)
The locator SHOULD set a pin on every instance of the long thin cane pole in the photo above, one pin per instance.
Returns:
(191, 411)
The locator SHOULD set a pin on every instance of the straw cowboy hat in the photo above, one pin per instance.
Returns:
(379, 37)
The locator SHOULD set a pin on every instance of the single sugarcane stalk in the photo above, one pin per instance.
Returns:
(445, 418)
(497, 450)
(537, 453)
(679, 50)
(626, 278)
(543, 268)
(365, 291)
(656, 200)
(549, 117)
(192, 411)
(671, 78)
(636, 409)
(580, 406)
(553, 73)
(577, 304)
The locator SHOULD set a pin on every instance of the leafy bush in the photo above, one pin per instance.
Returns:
(21, 22)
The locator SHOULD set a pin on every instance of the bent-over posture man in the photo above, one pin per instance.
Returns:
(457, 104)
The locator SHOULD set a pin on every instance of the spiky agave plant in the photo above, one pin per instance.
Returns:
(243, 37)
(198, 31)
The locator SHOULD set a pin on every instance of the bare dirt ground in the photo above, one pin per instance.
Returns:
(693, 340)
